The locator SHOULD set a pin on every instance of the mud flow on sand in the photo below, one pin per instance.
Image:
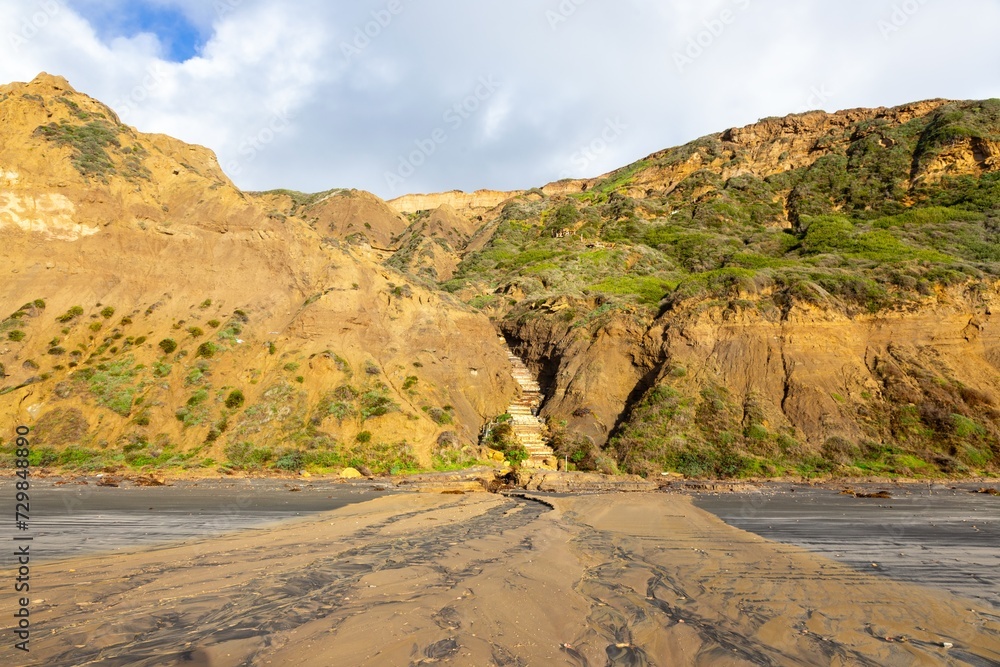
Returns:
(480, 579)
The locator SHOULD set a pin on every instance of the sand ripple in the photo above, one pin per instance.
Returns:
(621, 581)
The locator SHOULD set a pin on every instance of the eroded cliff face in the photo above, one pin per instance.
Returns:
(588, 377)
(282, 340)
(757, 301)
(470, 204)
(809, 382)
(775, 145)
(804, 294)
(432, 245)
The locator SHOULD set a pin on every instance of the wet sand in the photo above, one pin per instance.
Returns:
(74, 519)
(479, 579)
(947, 537)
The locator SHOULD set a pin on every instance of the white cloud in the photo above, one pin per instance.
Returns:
(278, 71)
(496, 116)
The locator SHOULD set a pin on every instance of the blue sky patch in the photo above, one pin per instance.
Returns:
(180, 37)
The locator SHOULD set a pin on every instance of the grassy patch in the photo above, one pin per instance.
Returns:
(648, 289)
(381, 457)
(90, 143)
(112, 384)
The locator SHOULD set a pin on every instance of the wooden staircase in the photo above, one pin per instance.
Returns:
(528, 427)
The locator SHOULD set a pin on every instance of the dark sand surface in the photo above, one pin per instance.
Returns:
(482, 580)
(74, 519)
(947, 537)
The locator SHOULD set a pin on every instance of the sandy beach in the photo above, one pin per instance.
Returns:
(481, 579)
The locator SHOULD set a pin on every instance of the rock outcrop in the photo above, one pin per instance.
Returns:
(816, 373)
(468, 203)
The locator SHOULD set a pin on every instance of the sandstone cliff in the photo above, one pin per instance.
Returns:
(810, 384)
(469, 203)
(153, 312)
(806, 294)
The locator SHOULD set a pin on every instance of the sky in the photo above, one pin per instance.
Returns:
(401, 96)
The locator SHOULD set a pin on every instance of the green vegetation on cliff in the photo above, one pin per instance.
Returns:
(849, 230)
(809, 295)
(889, 216)
(91, 142)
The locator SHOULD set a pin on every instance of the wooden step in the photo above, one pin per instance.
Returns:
(529, 429)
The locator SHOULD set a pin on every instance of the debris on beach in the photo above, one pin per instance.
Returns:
(146, 480)
(108, 480)
(864, 494)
